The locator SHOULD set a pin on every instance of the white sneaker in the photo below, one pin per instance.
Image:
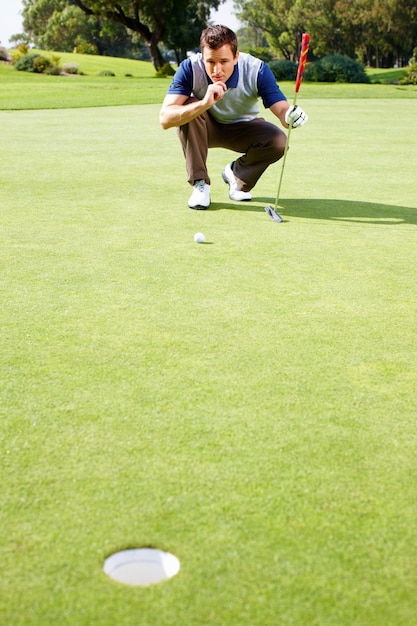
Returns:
(234, 192)
(200, 198)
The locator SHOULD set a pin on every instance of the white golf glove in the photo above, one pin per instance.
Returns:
(295, 116)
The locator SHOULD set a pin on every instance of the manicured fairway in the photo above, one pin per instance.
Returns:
(248, 404)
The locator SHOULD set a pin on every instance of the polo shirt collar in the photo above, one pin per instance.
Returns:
(232, 82)
(234, 79)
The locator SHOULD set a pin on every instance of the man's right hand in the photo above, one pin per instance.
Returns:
(177, 110)
(214, 93)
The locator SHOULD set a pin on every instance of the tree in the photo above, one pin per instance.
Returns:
(284, 21)
(379, 32)
(68, 29)
(64, 27)
(156, 20)
(103, 23)
(185, 29)
(271, 18)
(251, 37)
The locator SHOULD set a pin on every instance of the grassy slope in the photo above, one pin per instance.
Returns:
(248, 404)
(378, 75)
(21, 90)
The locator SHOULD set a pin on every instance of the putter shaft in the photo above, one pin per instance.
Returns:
(285, 156)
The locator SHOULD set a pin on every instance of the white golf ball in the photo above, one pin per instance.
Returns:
(199, 238)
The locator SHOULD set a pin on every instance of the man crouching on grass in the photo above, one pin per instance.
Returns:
(213, 100)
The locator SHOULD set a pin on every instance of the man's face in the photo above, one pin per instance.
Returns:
(219, 63)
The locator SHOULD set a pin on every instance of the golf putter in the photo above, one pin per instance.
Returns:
(305, 42)
(272, 213)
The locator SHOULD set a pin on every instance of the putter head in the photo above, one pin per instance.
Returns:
(273, 214)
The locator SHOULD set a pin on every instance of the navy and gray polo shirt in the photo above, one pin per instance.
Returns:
(251, 79)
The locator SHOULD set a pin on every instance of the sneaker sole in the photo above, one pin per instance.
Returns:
(226, 180)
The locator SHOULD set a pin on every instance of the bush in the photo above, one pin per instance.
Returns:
(165, 70)
(25, 63)
(54, 70)
(84, 47)
(41, 64)
(70, 68)
(264, 54)
(410, 77)
(19, 52)
(336, 68)
(38, 64)
(283, 69)
(105, 73)
(33, 62)
(4, 55)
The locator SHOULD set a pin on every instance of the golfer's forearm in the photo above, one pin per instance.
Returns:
(178, 115)
(279, 109)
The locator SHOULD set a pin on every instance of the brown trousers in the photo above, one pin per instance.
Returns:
(261, 143)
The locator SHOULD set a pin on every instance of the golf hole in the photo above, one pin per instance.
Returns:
(141, 566)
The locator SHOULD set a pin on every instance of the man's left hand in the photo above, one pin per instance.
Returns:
(295, 116)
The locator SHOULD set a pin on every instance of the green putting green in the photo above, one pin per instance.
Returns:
(247, 405)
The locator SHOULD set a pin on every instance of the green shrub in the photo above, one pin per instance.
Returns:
(33, 62)
(55, 59)
(37, 63)
(336, 68)
(410, 77)
(283, 69)
(19, 52)
(25, 62)
(165, 70)
(84, 47)
(264, 54)
(53, 70)
(41, 64)
(105, 73)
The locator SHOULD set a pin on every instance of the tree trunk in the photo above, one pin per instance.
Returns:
(156, 56)
(133, 23)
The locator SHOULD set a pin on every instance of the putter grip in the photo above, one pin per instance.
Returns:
(305, 42)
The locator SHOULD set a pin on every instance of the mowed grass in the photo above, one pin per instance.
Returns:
(247, 404)
(134, 82)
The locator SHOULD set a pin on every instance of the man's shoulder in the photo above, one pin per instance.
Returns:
(196, 57)
(183, 79)
(249, 60)
(185, 65)
(193, 63)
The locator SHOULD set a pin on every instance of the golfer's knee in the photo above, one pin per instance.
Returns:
(278, 144)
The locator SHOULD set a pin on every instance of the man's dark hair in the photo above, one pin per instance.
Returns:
(215, 37)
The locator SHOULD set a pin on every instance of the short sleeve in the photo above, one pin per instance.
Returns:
(268, 89)
(182, 83)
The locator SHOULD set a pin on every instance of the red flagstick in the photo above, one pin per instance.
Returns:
(305, 42)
